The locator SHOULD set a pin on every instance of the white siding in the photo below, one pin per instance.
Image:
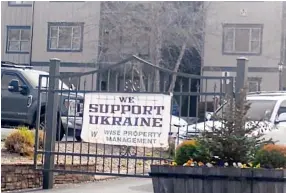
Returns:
(87, 12)
(13, 16)
(267, 13)
(44, 12)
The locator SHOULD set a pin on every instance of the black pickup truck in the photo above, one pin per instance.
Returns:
(19, 101)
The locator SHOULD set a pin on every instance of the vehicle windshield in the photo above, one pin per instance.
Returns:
(33, 77)
(259, 109)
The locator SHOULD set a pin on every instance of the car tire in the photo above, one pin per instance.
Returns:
(60, 129)
(78, 138)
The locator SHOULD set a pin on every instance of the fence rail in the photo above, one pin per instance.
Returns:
(61, 113)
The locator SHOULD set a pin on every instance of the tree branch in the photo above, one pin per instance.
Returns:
(174, 77)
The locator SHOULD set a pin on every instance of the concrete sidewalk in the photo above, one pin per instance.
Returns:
(125, 185)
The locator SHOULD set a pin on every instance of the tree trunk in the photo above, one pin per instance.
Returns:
(139, 71)
(174, 77)
(156, 56)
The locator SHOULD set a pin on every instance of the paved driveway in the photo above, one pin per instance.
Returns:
(124, 185)
(6, 131)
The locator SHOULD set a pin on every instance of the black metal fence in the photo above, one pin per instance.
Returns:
(61, 111)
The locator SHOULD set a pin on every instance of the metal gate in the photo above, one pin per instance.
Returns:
(60, 111)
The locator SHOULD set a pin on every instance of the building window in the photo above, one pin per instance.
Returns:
(18, 39)
(254, 84)
(65, 37)
(20, 3)
(242, 39)
(67, 1)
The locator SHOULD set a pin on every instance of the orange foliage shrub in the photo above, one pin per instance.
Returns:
(273, 147)
(191, 142)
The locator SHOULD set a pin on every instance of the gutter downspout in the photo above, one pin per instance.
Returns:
(32, 32)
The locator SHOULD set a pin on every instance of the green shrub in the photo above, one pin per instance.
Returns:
(270, 156)
(233, 141)
(191, 149)
(21, 141)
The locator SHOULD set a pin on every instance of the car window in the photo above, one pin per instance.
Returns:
(6, 79)
(33, 77)
(282, 108)
(259, 109)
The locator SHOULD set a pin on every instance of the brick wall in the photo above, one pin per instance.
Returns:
(23, 176)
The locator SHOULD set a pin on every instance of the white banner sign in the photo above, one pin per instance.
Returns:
(131, 119)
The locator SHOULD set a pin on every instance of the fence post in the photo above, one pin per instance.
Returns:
(241, 75)
(51, 124)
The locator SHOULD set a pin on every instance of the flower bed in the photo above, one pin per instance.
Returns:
(194, 175)
(232, 157)
(192, 154)
(170, 179)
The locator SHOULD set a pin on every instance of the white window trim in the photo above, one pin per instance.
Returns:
(256, 84)
(15, 3)
(233, 29)
(71, 40)
(20, 41)
(249, 42)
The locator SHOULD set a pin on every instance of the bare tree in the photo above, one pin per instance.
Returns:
(148, 27)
